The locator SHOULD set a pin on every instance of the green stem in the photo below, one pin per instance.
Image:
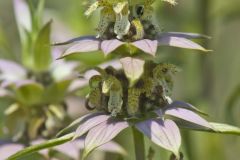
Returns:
(139, 145)
(204, 16)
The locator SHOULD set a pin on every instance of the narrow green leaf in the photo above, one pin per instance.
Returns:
(55, 93)
(34, 16)
(225, 128)
(47, 144)
(40, 8)
(23, 17)
(42, 49)
(216, 127)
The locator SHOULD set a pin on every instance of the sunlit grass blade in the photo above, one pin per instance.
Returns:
(47, 144)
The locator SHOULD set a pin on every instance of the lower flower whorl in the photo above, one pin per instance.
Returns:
(111, 91)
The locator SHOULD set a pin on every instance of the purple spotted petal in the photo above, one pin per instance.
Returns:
(90, 123)
(179, 42)
(183, 35)
(109, 46)
(164, 133)
(103, 133)
(85, 45)
(79, 121)
(187, 115)
(147, 46)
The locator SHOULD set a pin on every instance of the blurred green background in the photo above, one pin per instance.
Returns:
(206, 80)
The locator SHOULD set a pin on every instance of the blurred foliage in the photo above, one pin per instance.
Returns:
(219, 70)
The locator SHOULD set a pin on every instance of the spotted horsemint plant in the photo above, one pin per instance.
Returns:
(139, 94)
(37, 87)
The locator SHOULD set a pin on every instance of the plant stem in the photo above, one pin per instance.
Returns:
(204, 16)
(139, 145)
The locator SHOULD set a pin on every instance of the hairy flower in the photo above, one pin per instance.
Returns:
(146, 106)
(162, 128)
(126, 20)
(132, 44)
(145, 47)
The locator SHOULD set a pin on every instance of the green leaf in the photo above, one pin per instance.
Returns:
(216, 127)
(23, 18)
(35, 156)
(4, 103)
(30, 94)
(39, 14)
(225, 128)
(35, 12)
(93, 59)
(56, 92)
(45, 145)
(15, 121)
(42, 50)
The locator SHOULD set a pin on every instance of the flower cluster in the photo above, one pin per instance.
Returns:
(37, 87)
(111, 91)
(37, 99)
(138, 95)
(126, 20)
